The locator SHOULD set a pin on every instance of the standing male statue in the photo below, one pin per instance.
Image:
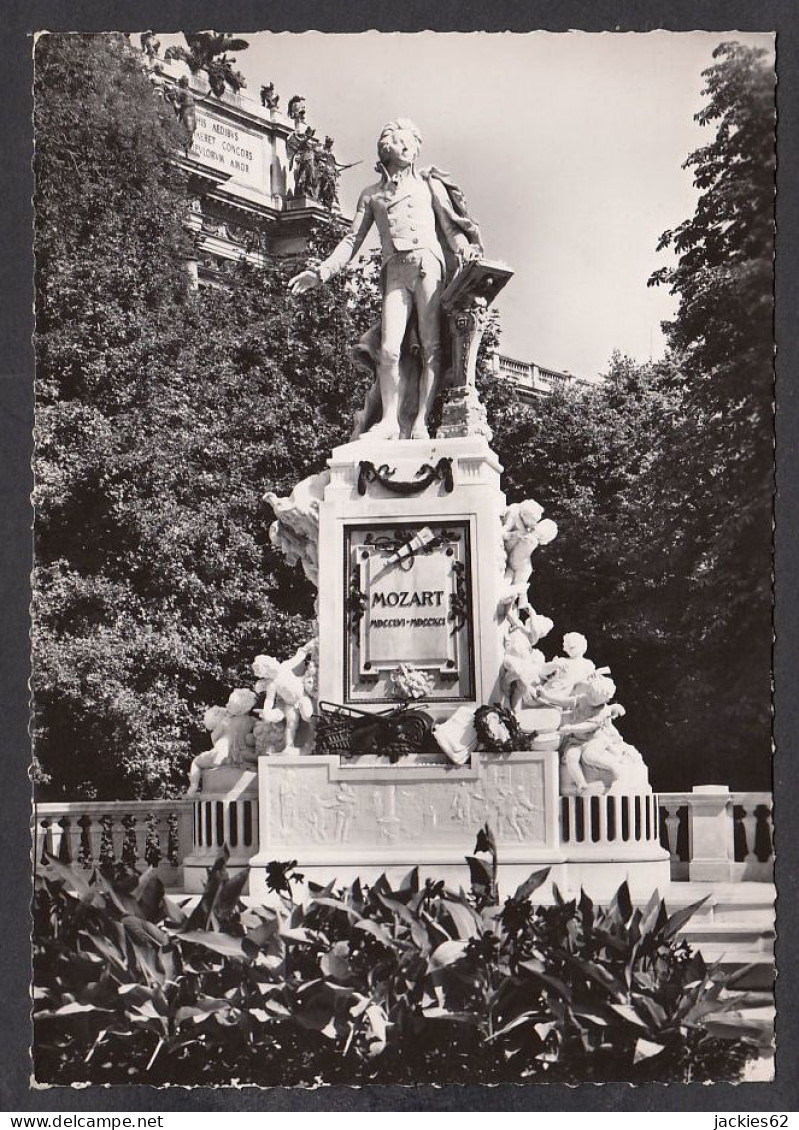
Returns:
(425, 234)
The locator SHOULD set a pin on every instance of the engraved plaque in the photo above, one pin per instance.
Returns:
(408, 601)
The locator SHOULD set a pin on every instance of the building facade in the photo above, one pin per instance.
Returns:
(531, 380)
(241, 177)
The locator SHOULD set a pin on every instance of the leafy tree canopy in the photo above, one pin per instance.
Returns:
(163, 418)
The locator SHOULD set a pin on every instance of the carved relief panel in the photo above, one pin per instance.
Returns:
(314, 804)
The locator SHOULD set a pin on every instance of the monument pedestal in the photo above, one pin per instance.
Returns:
(411, 566)
(360, 817)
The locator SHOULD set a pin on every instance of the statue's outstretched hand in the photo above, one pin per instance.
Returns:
(305, 280)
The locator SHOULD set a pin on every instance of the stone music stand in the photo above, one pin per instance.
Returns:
(465, 302)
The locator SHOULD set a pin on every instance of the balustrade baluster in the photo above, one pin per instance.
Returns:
(43, 846)
(155, 839)
(672, 825)
(614, 817)
(570, 818)
(602, 821)
(65, 854)
(85, 855)
(749, 822)
(768, 821)
(106, 856)
(129, 841)
(96, 836)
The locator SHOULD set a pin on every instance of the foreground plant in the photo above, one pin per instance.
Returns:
(392, 984)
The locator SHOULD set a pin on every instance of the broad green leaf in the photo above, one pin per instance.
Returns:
(536, 970)
(646, 1049)
(621, 907)
(410, 882)
(479, 872)
(219, 943)
(369, 926)
(446, 954)
(532, 883)
(466, 921)
(681, 917)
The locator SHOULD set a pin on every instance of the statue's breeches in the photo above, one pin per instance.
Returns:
(412, 279)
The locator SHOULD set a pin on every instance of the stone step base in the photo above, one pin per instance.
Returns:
(755, 934)
(753, 969)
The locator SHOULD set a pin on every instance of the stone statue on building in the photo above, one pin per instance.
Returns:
(150, 45)
(329, 170)
(296, 111)
(269, 99)
(425, 233)
(183, 102)
(303, 151)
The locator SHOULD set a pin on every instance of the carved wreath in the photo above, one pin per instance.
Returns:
(498, 730)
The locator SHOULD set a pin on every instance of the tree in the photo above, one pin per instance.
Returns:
(208, 52)
(163, 418)
(716, 482)
(584, 452)
(660, 477)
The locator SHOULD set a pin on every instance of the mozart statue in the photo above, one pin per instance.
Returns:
(425, 235)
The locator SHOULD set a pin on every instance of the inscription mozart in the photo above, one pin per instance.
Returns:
(408, 589)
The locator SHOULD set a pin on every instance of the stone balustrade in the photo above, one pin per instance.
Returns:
(139, 833)
(621, 820)
(713, 834)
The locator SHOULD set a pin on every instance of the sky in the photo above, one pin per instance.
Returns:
(568, 146)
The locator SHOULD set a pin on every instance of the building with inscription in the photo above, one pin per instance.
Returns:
(240, 179)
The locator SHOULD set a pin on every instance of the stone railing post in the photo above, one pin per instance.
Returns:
(710, 833)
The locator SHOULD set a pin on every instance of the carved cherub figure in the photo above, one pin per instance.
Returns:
(523, 664)
(231, 730)
(523, 529)
(585, 741)
(288, 688)
(295, 531)
(631, 773)
(564, 672)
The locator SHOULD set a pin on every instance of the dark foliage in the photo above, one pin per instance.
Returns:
(409, 984)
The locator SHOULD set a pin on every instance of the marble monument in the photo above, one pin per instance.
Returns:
(425, 705)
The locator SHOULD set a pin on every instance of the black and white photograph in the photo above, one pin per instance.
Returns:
(403, 487)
